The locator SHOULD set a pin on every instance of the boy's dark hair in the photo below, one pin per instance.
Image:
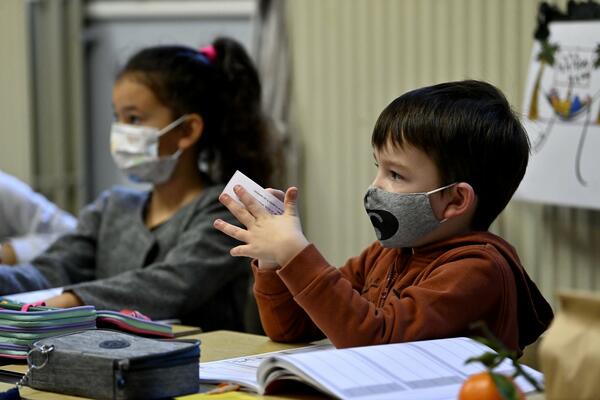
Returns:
(470, 132)
(226, 92)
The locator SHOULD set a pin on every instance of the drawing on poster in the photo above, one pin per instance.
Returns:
(562, 116)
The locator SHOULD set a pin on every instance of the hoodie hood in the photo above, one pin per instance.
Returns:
(534, 312)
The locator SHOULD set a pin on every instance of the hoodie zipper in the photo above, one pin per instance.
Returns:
(392, 275)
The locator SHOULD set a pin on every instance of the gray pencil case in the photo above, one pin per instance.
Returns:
(106, 364)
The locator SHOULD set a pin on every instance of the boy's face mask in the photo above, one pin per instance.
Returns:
(401, 219)
(135, 152)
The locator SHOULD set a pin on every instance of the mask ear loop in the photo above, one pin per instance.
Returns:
(439, 190)
(172, 125)
(169, 127)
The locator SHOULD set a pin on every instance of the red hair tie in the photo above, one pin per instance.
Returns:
(209, 52)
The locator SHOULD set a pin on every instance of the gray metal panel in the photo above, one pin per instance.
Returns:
(56, 56)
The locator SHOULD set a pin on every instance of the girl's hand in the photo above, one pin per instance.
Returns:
(9, 257)
(272, 239)
(65, 300)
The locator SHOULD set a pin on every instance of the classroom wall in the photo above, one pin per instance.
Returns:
(15, 107)
(41, 102)
(352, 57)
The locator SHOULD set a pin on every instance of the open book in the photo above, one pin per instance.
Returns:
(432, 369)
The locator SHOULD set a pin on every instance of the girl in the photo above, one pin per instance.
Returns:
(186, 120)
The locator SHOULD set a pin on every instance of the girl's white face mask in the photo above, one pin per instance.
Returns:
(134, 149)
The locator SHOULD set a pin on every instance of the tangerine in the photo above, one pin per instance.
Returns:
(481, 386)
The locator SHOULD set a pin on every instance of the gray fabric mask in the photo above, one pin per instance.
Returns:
(401, 219)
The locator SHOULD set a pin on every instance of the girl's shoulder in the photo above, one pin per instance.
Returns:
(119, 200)
(121, 196)
(205, 206)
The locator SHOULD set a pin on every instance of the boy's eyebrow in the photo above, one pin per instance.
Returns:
(391, 163)
(397, 165)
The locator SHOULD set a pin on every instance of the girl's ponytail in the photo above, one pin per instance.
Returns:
(245, 141)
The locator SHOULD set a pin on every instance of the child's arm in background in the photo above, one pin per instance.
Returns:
(272, 239)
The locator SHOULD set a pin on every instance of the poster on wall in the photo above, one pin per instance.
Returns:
(562, 117)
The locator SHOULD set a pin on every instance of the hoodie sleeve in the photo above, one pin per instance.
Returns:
(282, 317)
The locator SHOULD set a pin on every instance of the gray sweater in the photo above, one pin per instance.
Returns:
(181, 269)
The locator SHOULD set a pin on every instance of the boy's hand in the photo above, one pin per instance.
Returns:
(272, 239)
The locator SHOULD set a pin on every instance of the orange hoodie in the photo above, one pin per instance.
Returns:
(396, 295)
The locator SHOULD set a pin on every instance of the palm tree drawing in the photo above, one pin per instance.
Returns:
(545, 57)
(565, 108)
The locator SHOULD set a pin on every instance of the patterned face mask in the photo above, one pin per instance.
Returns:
(401, 219)
(135, 152)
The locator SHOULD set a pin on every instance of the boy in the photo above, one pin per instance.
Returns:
(449, 157)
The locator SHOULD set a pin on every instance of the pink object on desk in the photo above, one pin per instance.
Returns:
(26, 306)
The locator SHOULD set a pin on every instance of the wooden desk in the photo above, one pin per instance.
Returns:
(219, 345)
(216, 345)
(185, 330)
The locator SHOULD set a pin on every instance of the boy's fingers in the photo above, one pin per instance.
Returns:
(237, 210)
(241, 251)
(280, 194)
(231, 230)
(291, 201)
(249, 201)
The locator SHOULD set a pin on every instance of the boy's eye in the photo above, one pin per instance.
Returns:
(395, 175)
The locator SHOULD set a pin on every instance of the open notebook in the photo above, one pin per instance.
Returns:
(22, 325)
(433, 369)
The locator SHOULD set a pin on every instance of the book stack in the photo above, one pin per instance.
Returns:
(20, 329)
(133, 322)
(22, 324)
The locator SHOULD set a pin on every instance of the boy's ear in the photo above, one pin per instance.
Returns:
(194, 126)
(462, 200)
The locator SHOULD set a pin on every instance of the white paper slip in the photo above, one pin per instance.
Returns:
(37, 295)
(271, 203)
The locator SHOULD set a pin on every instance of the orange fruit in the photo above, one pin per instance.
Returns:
(481, 386)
